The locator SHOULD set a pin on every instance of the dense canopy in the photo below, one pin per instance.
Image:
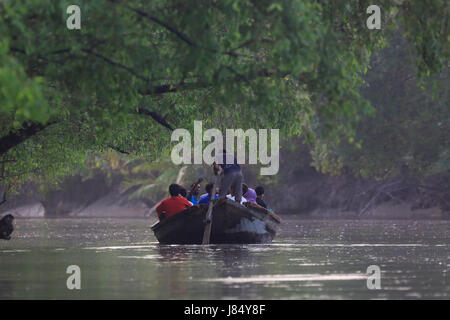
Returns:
(137, 69)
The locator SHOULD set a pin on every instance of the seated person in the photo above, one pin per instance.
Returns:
(176, 203)
(206, 197)
(194, 194)
(183, 193)
(259, 196)
(231, 196)
(249, 193)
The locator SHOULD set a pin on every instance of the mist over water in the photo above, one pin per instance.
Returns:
(309, 259)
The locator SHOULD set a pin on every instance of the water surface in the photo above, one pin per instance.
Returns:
(309, 259)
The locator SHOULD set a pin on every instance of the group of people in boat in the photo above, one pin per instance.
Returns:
(231, 186)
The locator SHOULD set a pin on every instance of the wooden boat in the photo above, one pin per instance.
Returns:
(232, 223)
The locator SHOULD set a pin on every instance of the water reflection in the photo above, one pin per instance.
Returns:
(274, 278)
(309, 259)
(6, 289)
(172, 253)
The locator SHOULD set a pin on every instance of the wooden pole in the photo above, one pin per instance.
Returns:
(208, 218)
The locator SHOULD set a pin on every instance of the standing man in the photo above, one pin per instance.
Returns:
(231, 174)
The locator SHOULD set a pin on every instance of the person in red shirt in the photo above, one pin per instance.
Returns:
(176, 203)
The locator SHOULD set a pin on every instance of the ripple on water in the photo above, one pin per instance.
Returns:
(293, 245)
(119, 247)
(276, 278)
(148, 256)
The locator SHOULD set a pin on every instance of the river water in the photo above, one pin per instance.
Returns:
(309, 259)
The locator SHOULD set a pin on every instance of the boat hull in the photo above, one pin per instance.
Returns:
(232, 224)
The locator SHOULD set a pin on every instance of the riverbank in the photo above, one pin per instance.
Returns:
(312, 195)
(321, 195)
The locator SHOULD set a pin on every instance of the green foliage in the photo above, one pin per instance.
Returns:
(294, 64)
(410, 128)
(21, 97)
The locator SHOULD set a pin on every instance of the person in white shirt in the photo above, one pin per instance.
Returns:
(229, 196)
(232, 196)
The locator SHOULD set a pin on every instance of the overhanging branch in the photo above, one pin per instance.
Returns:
(118, 149)
(16, 137)
(176, 32)
(169, 88)
(119, 65)
(156, 116)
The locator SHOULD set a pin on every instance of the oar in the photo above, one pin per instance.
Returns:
(208, 219)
